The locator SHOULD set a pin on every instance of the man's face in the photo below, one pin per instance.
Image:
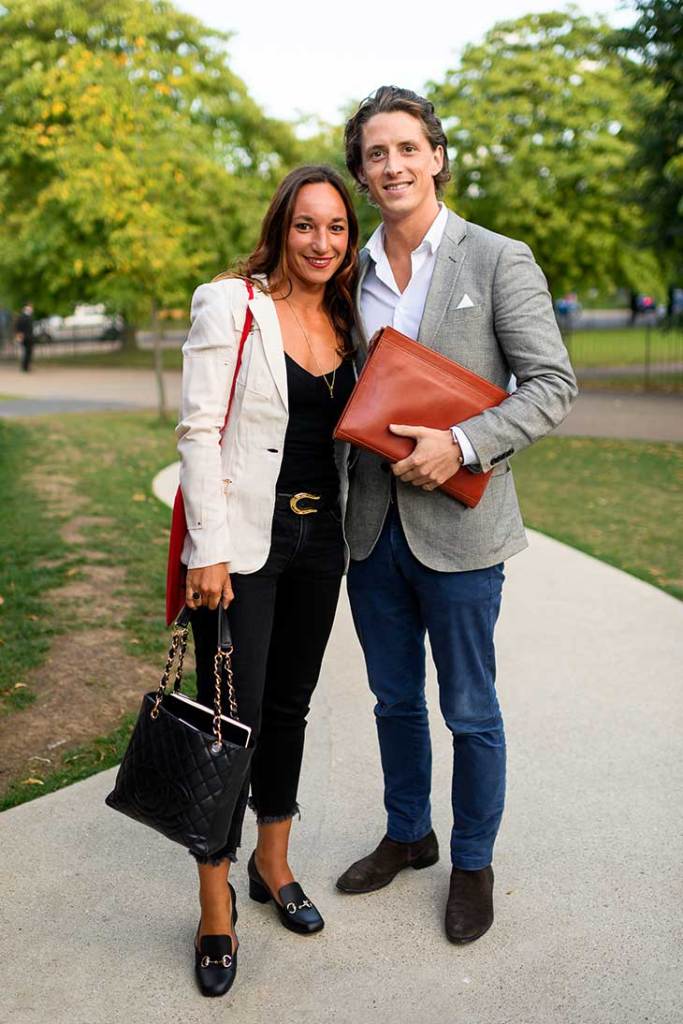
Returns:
(399, 164)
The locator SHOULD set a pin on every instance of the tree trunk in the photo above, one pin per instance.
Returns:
(129, 338)
(158, 364)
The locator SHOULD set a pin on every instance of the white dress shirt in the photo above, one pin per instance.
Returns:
(382, 303)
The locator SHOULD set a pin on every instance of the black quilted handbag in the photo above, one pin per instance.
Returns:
(176, 776)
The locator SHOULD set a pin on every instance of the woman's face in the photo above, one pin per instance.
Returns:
(318, 235)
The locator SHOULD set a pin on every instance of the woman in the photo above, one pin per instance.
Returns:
(264, 513)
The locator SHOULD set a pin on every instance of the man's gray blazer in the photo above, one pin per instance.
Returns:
(510, 328)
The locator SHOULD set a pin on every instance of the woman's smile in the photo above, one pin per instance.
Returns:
(320, 262)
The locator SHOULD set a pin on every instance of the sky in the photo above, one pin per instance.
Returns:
(300, 57)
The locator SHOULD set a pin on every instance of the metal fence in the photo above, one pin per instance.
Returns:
(648, 357)
(11, 350)
(643, 356)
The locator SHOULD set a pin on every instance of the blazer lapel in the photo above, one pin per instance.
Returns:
(358, 335)
(449, 260)
(263, 308)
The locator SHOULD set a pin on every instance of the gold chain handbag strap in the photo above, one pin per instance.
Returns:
(222, 662)
(177, 649)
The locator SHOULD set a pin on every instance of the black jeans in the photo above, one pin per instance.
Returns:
(26, 355)
(281, 619)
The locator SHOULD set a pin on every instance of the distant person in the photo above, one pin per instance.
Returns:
(635, 306)
(674, 303)
(264, 512)
(421, 563)
(23, 332)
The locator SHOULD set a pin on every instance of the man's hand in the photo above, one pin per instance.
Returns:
(435, 459)
(211, 584)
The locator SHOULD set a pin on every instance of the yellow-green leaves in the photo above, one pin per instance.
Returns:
(541, 117)
(133, 163)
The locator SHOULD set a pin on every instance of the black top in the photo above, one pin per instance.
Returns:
(24, 325)
(308, 458)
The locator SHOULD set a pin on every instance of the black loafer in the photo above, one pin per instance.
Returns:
(295, 909)
(215, 964)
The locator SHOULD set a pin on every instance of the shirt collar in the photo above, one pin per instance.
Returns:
(431, 241)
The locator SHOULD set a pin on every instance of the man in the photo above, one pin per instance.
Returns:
(23, 331)
(422, 562)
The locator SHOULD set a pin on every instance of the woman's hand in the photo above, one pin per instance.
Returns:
(208, 585)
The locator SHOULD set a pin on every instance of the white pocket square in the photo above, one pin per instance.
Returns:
(465, 302)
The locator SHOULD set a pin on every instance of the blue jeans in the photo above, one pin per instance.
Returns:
(395, 600)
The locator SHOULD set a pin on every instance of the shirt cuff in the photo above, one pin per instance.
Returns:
(469, 455)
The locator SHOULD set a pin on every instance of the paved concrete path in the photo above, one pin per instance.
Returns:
(55, 389)
(100, 912)
(638, 417)
(72, 387)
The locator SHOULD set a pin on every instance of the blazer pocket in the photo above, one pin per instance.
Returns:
(467, 313)
(261, 384)
(255, 376)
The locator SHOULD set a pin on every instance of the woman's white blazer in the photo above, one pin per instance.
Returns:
(229, 487)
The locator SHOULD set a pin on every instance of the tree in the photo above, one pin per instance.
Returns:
(539, 115)
(656, 41)
(325, 144)
(133, 163)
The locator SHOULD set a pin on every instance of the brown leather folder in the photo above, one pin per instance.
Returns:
(405, 382)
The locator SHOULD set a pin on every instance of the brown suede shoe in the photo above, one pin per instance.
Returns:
(382, 865)
(469, 911)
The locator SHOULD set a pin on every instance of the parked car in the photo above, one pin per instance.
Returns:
(89, 323)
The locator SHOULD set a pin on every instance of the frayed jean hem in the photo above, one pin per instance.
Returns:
(215, 858)
(272, 819)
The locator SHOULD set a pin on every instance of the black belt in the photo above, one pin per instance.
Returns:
(305, 503)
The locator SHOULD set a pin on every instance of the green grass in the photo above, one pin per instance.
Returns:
(656, 383)
(33, 559)
(112, 458)
(624, 347)
(96, 756)
(617, 500)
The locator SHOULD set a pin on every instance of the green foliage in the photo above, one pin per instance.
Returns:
(133, 163)
(540, 114)
(325, 145)
(656, 40)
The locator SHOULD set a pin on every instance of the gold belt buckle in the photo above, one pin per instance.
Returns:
(296, 498)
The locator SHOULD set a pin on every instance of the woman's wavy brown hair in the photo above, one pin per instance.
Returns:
(269, 258)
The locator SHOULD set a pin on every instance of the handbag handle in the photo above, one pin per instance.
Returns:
(222, 662)
(224, 633)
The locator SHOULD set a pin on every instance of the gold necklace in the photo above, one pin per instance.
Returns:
(330, 387)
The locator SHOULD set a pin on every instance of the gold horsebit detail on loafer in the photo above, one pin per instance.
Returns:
(224, 961)
(296, 498)
(292, 908)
